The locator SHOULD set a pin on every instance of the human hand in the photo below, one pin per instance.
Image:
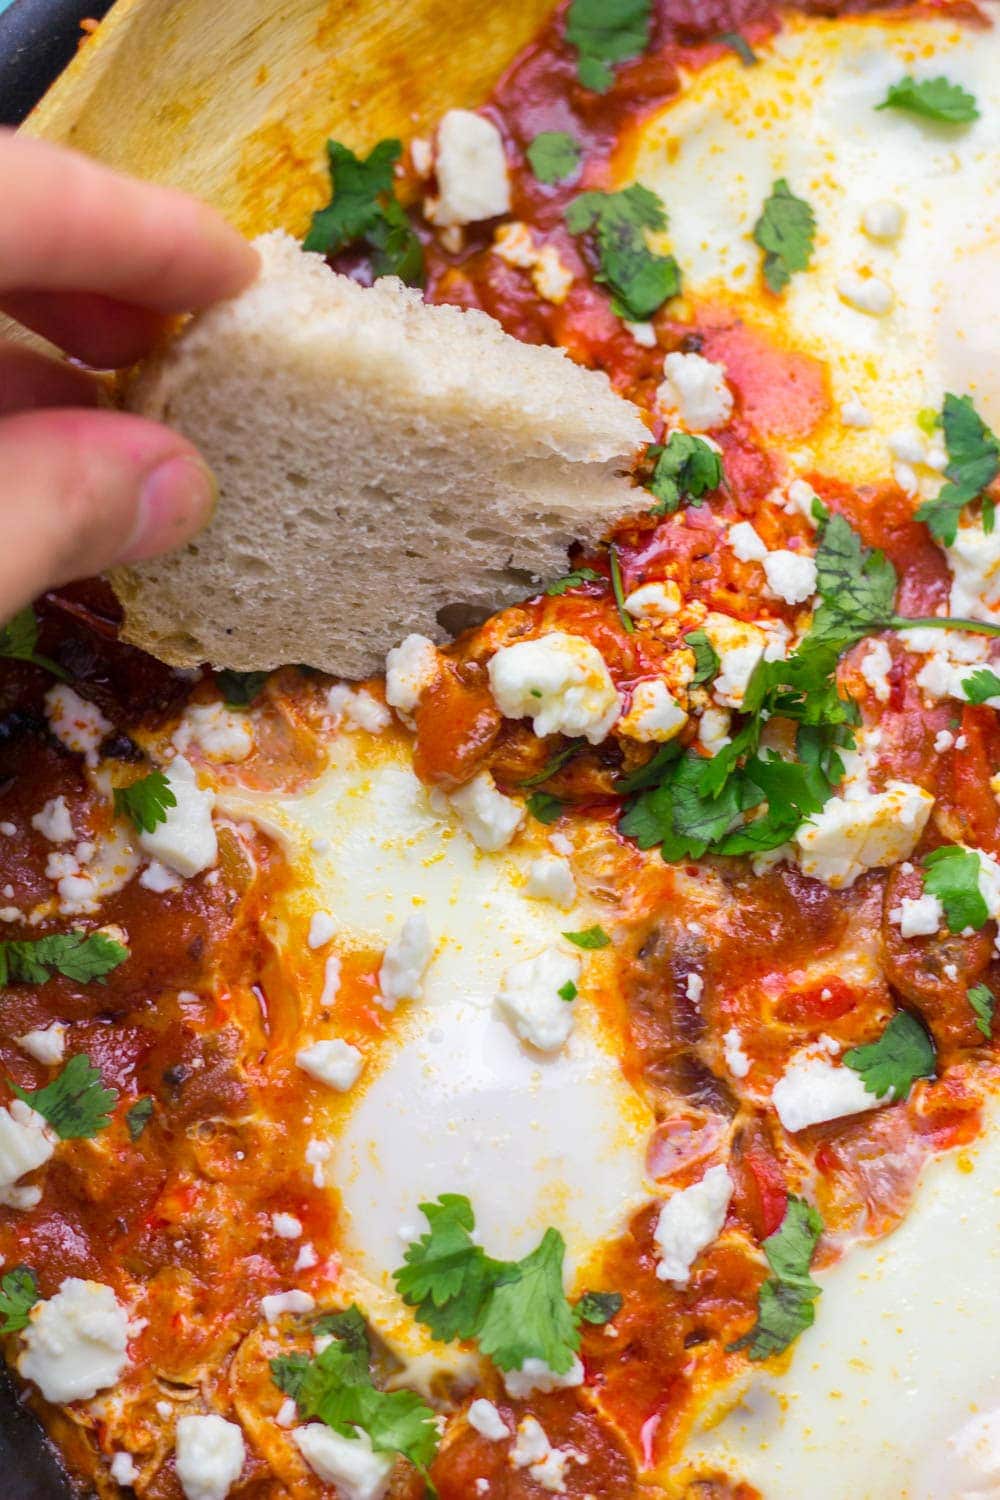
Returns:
(95, 262)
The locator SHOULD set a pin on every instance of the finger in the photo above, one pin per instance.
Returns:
(29, 380)
(103, 333)
(81, 490)
(69, 223)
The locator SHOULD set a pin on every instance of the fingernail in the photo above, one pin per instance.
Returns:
(176, 500)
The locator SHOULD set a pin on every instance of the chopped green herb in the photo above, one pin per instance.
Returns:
(903, 1053)
(574, 580)
(239, 689)
(527, 1316)
(856, 584)
(686, 468)
(18, 1295)
(606, 32)
(76, 1104)
(567, 991)
(545, 807)
(739, 44)
(590, 937)
(934, 99)
(973, 463)
(785, 232)
(706, 658)
(982, 685)
(639, 280)
(983, 1002)
(554, 156)
(19, 639)
(785, 1303)
(363, 209)
(138, 1117)
(78, 955)
(599, 1308)
(951, 873)
(928, 420)
(627, 622)
(557, 762)
(146, 801)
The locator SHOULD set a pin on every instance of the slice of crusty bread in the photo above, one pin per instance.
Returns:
(384, 465)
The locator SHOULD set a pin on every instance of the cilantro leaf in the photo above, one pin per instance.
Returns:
(363, 210)
(785, 232)
(19, 638)
(983, 1002)
(640, 281)
(706, 658)
(557, 762)
(18, 1295)
(680, 814)
(982, 685)
(76, 1104)
(590, 937)
(785, 1301)
(146, 801)
(289, 1371)
(599, 1308)
(239, 689)
(138, 1117)
(951, 873)
(573, 580)
(78, 955)
(553, 155)
(973, 463)
(350, 1328)
(447, 1278)
(856, 584)
(618, 590)
(605, 32)
(789, 1249)
(903, 1053)
(934, 98)
(567, 991)
(545, 807)
(739, 44)
(686, 468)
(528, 1316)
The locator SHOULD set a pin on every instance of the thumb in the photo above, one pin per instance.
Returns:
(82, 490)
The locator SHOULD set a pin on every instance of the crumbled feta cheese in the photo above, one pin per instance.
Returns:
(550, 878)
(713, 729)
(552, 278)
(866, 294)
(488, 817)
(746, 542)
(421, 156)
(47, 1045)
(287, 1414)
(471, 170)
(906, 477)
(800, 498)
(514, 243)
(654, 601)
(186, 840)
(917, 916)
(75, 1343)
(689, 1221)
(122, 1469)
(286, 1226)
(322, 928)
(8, 829)
(530, 1002)
(694, 987)
(318, 1153)
(943, 741)
(561, 682)
(736, 1059)
(331, 981)
(975, 567)
(694, 392)
(410, 668)
(854, 414)
(790, 575)
(533, 1451)
(156, 877)
(334, 1062)
(277, 1304)
(405, 962)
(210, 1454)
(862, 831)
(812, 1090)
(643, 333)
(876, 665)
(907, 444)
(740, 647)
(487, 1421)
(26, 1142)
(535, 1375)
(357, 708)
(654, 715)
(54, 821)
(222, 734)
(76, 722)
(882, 220)
(305, 1260)
(350, 1463)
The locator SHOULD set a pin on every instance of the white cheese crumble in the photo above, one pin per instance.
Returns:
(791, 576)
(350, 1463)
(975, 567)
(318, 1153)
(75, 1343)
(186, 840)
(333, 1062)
(123, 1469)
(862, 830)
(410, 668)
(533, 1451)
(54, 822)
(514, 243)
(305, 1260)
(654, 715)
(643, 333)
(866, 294)
(322, 928)
(286, 1226)
(854, 414)
(488, 817)
(26, 1142)
(530, 1002)
(210, 1454)
(800, 498)
(736, 1059)
(813, 1089)
(689, 1221)
(655, 601)
(357, 708)
(550, 878)
(405, 962)
(156, 877)
(713, 729)
(694, 392)
(746, 542)
(740, 647)
(876, 665)
(561, 682)
(471, 169)
(47, 1045)
(882, 220)
(536, 1375)
(222, 734)
(487, 1421)
(76, 722)
(277, 1304)
(917, 916)
(287, 1413)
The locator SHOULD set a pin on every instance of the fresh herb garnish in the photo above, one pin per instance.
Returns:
(606, 32)
(574, 580)
(739, 44)
(706, 658)
(984, 1003)
(973, 463)
(545, 807)
(981, 685)
(903, 1053)
(146, 801)
(363, 209)
(18, 1295)
(599, 1308)
(78, 955)
(686, 468)
(785, 232)
(640, 280)
(951, 873)
(138, 1117)
(934, 98)
(239, 689)
(785, 1302)
(567, 991)
(590, 937)
(19, 640)
(554, 156)
(76, 1104)
(617, 589)
(557, 762)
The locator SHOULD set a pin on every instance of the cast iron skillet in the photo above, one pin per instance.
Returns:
(37, 40)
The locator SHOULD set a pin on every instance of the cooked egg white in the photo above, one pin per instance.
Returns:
(901, 203)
